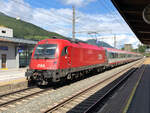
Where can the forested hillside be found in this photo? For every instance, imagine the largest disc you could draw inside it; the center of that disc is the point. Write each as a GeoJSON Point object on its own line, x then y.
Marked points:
{"type": "Point", "coordinates": [24, 29]}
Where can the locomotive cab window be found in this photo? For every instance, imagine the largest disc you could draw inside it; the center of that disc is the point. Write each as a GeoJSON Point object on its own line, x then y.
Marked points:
{"type": "Point", "coordinates": [45, 51]}
{"type": "Point", "coordinates": [64, 51]}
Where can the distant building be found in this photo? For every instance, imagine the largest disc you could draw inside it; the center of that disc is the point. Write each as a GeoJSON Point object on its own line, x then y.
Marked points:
{"type": "Point", "coordinates": [147, 50]}
{"type": "Point", "coordinates": [6, 32]}
{"type": "Point", "coordinates": [128, 47]}
{"type": "Point", "coordinates": [14, 52]}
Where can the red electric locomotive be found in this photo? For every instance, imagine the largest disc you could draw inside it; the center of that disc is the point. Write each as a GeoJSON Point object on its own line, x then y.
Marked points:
{"type": "Point", "coordinates": [57, 59]}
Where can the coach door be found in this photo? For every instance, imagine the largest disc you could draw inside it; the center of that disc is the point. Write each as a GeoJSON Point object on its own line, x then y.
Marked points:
{"type": "Point", "coordinates": [3, 59]}
{"type": "Point", "coordinates": [107, 56]}
{"type": "Point", "coordinates": [69, 56]}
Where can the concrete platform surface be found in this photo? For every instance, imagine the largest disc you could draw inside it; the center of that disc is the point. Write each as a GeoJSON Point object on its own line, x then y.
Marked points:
{"type": "Point", "coordinates": [12, 79]}
{"type": "Point", "coordinates": [147, 61]}
{"type": "Point", "coordinates": [141, 100]}
{"type": "Point", "coordinates": [12, 76]}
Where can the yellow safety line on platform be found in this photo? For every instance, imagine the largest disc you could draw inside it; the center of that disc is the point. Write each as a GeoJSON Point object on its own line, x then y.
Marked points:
{"type": "Point", "coordinates": [132, 94]}
{"type": "Point", "coordinates": [12, 81]}
{"type": "Point", "coordinates": [4, 69]}
{"type": "Point", "coordinates": [147, 61]}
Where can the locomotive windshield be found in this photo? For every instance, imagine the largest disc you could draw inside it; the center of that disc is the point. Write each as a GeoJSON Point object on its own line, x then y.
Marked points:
{"type": "Point", "coordinates": [45, 51]}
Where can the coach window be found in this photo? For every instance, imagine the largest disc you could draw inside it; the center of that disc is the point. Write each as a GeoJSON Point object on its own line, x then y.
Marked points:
{"type": "Point", "coordinates": [130, 55]}
{"type": "Point", "coordinates": [64, 51]}
{"type": "Point", "coordinates": [113, 55]}
{"type": "Point", "coordinates": [122, 56]}
{"type": "Point", "coordinates": [116, 55]}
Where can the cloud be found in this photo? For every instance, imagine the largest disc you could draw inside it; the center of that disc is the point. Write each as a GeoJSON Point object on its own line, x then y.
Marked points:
{"type": "Point", "coordinates": [60, 20]}
{"type": "Point", "coordinates": [55, 20]}
{"type": "Point", "coordinates": [77, 2]}
{"type": "Point", "coordinates": [16, 8]}
{"type": "Point", "coordinates": [121, 40]}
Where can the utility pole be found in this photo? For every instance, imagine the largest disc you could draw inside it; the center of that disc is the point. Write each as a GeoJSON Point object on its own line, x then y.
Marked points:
{"type": "Point", "coordinates": [114, 41]}
{"type": "Point", "coordinates": [73, 23]}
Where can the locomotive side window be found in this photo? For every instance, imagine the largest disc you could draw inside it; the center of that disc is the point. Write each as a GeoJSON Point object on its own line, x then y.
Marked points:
{"type": "Point", "coordinates": [64, 51]}
{"type": "Point", "coordinates": [45, 51]}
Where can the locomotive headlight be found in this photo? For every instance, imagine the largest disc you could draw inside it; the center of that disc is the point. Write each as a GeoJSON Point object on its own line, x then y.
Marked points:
{"type": "Point", "coordinates": [100, 56]}
{"type": "Point", "coordinates": [41, 65]}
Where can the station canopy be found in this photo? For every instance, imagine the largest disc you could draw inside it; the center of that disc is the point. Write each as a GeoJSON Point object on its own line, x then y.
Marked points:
{"type": "Point", "coordinates": [132, 12]}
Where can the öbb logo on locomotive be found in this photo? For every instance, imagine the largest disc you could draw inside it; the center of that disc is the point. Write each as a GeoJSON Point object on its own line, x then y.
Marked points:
{"type": "Point", "coordinates": [41, 65]}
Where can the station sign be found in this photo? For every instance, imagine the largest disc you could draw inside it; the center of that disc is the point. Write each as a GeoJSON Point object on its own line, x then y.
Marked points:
{"type": "Point", "coordinates": [4, 48]}
{"type": "Point", "coordinates": [20, 49]}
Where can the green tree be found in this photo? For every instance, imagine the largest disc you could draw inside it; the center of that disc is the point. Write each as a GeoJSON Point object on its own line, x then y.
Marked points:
{"type": "Point", "coordinates": [142, 48]}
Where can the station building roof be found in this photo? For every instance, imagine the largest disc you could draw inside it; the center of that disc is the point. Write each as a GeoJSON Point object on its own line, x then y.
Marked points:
{"type": "Point", "coordinates": [132, 12]}
{"type": "Point", "coordinates": [17, 40]}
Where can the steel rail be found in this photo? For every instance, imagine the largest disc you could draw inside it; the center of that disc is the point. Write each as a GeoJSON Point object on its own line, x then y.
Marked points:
{"type": "Point", "coordinates": [59, 105]}
{"type": "Point", "coordinates": [18, 91]}
{"type": "Point", "coordinates": [92, 107]}
{"type": "Point", "coordinates": [23, 97]}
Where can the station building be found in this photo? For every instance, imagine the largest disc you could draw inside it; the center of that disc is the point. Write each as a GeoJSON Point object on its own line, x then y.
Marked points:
{"type": "Point", "coordinates": [14, 52]}
{"type": "Point", "coordinates": [6, 32]}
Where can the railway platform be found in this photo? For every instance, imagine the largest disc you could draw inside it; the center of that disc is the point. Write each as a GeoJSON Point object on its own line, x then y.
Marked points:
{"type": "Point", "coordinates": [140, 102]}
{"type": "Point", "coordinates": [133, 96]}
{"type": "Point", "coordinates": [12, 78]}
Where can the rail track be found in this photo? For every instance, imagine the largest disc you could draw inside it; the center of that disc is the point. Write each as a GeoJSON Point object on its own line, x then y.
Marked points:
{"type": "Point", "coordinates": [23, 94]}
{"type": "Point", "coordinates": [11, 98]}
{"type": "Point", "coordinates": [85, 99]}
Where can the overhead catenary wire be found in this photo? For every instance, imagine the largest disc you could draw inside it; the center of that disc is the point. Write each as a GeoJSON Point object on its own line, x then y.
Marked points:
{"type": "Point", "coordinates": [45, 12]}
{"type": "Point", "coordinates": [113, 15]}
{"type": "Point", "coordinates": [28, 6]}
{"type": "Point", "coordinates": [53, 15]}
{"type": "Point", "coordinates": [77, 17]}
{"type": "Point", "coordinates": [45, 23]}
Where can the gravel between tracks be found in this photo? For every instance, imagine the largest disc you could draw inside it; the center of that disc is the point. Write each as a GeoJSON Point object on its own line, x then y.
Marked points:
{"type": "Point", "coordinates": [37, 104]}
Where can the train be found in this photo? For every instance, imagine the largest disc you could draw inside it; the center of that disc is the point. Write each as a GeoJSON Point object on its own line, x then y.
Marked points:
{"type": "Point", "coordinates": [55, 60]}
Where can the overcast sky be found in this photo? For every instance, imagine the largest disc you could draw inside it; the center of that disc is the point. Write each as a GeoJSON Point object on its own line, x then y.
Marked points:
{"type": "Point", "coordinates": [56, 16]}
